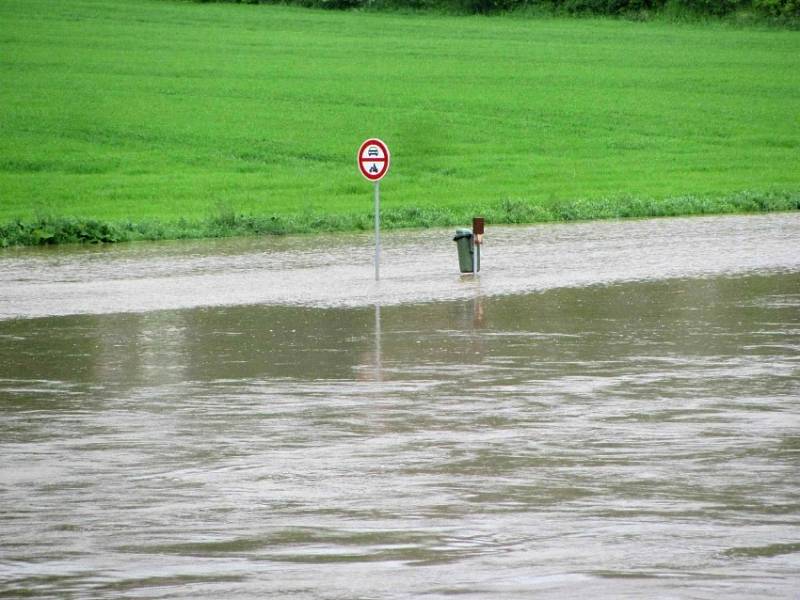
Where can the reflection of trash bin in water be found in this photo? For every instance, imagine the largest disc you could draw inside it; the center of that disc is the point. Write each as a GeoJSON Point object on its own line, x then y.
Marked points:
{"type": "Point", "coordinates": [466, 248]}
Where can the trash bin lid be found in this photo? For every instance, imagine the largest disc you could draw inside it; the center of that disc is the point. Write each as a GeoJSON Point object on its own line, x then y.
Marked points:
{"type": "Point", "coordinates": [462, 233]}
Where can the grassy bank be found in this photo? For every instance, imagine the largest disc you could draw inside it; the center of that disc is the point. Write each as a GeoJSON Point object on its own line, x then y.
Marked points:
{"type": "Point", "coordinates": [43, 229]}
{"type": "Point", "coordinates": [152, 119]}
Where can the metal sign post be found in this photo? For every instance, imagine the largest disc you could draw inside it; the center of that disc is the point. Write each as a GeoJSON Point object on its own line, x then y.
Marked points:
{"type": "Point", "coordinates": [377, 230]}
{"type": "Point", "coordinates": [373, 162]}
{"type": "Point", "coordinates": [478, 224]}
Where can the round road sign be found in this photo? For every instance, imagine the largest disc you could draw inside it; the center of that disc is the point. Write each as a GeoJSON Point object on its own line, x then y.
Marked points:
{"type": "Point", "coordinates": [373, 159]}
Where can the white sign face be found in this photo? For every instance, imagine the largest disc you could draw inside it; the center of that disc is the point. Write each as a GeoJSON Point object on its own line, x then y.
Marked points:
{"type": "Point", "coordinates": [373, 159]}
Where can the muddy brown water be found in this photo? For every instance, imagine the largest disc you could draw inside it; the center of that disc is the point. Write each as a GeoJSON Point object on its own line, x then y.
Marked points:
{"type": "Point", "coordinates": [611, 409]}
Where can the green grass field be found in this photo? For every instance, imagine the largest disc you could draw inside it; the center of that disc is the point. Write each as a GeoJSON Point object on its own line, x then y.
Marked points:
{"type": "Point", "coordinates": [152, 111]}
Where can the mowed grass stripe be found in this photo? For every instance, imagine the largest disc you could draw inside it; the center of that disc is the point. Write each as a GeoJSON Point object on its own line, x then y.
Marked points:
{"type": "Point", "coordinates": [137, 110]}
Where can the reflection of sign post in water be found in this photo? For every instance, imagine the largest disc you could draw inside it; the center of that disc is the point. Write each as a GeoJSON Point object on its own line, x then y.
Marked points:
{"type": "Point", "coordinates": [378, 358]}
{"type": "Point", "coordinates": [373, 162]}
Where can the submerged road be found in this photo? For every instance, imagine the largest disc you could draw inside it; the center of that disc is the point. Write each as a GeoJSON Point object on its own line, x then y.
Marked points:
{"type": "Point", "coordinates": [417, 266]}
{"type": "Point", "coordinates": [609, 411]}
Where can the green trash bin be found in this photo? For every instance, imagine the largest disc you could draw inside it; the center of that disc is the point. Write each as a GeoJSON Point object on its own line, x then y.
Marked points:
{"type": "Point", "coordinates": [463, 242]}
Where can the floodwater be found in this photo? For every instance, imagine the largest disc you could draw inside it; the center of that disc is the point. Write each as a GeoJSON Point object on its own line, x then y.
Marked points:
{"type": "Point", "coordinates": [610, 409]}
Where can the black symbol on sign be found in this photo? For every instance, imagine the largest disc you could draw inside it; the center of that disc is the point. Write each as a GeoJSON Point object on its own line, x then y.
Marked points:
{"type": "Point", "coordinates": [373, 168]}
{"type": "Point", "coordinates": [373, 151]}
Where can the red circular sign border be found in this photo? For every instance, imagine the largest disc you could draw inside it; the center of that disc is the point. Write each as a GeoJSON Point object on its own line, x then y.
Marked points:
{"type": "Point", "coordinates": [382, 145]}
